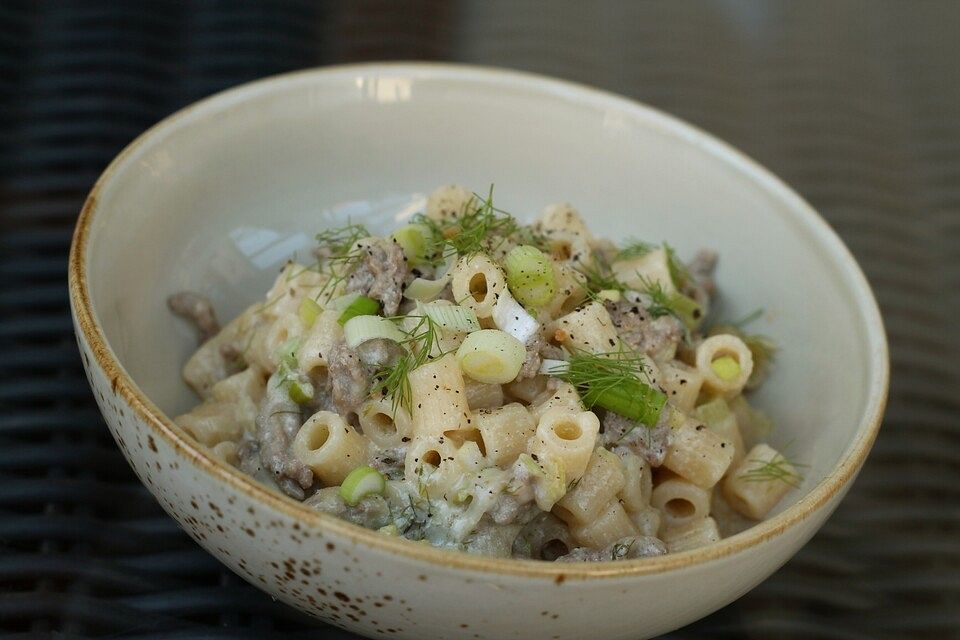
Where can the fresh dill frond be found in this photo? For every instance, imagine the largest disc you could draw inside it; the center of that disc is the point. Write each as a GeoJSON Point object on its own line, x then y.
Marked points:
{"type": "Point", "coordinates": [612, 380]}
{"type": "Point", "coordinates": [621, 549]}
{"type": "Point", "coordinates": [634, 248]}
{"type": "Point", "coordinates": [393, 380]}
{"type": "Point", "coordinates": [779, 468]}
{"type": "Point", "coordinates": [597, 276]}
{"type": "Point", "coordinates": [338, 255]}
{"type": "Point", "coordinates": [338, 242]}
{"type": "Point", "coordinates": [482, 227]}
{"type": "Point", "coordinates": [661, 303]}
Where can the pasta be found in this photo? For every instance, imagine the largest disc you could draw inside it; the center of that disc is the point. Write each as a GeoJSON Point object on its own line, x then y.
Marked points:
{"type": "Point", "coordinates": [492, 387]}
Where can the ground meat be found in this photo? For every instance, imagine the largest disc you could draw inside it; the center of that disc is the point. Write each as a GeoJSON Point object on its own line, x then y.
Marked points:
{"type": "Point", "coordinates": [651, 444]}
{"type": "Point", "coordinates": [372, 511]}
{"type": "Point", "coordinates": [623, 549]}
{"type": "Point", "coordinates": [390, 462]}
{"type": "Point", "coordinates": [248, 454]}
{"type": "Point", "coordinates": [349, 381]}
{"type": "Point", "coordinates": [198, 309]}
{"type": "Point", "coordinates": [641, 331]}
{"type": "Point", "coordinates": [381, 274]}
{"type": "Point", "coordinates": [277, 425]}
{"type": "Point", "coordinates": [531, 363]}
{"type": "Point", "coordinates": [545, 537]}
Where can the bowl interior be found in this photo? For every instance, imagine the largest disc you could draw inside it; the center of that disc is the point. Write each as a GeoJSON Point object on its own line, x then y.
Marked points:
{"type": "Point", "coordinates": [216, 199]}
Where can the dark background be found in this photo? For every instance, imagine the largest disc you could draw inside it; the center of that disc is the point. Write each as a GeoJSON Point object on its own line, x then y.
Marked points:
{"type": "Point", "coordinates": [855, 104]}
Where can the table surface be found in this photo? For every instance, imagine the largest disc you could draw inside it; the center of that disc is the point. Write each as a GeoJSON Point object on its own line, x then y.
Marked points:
{"type": "Point", "coordinates": [855, 104]}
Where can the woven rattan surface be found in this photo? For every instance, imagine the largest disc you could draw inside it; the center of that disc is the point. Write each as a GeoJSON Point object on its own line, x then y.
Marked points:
{"type": "Point", "coordinates": [855, 104]}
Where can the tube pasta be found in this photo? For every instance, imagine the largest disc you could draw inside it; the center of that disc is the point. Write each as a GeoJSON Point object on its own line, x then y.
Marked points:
{"type": "Point", "coordinates": [716, 347]}
{"type": "Point", "coordinates": [691, 536]}
{"type": "Point", "coordinates": [698, 454]}
{"type": "Point", "coordinates": [481, 395]}
{"type": "Point", "coordinates": [600, 483]}
{"type": "Point", "coordinates": [438, 398]}
{"type": "Point", "coordinates": [611, 525]}
{"type": "Point", "coordinates": [586, 329]}
{"type": "Point", "coordinates": [329, 446]}
{"type": "Point", "coordinates": [638, 483]}
{"type": "Point", "coordinates": [647, 521]}
{"type": "Point", "coordinates": [505, 432]}
{"type": "Point", "coordinates": [759, 482]}
{"type": "Point", "coordinates": [640, 272]}
{"type": "Point", "coordinates": [680, 502]}
{"type": "Point", "coordinates": [557, 395]}
{"type": "Point", "coordinates": [384, 423]}
{"type": "Point", "coordinates": [319, 341]}
{"type": "Point", "coordinates": [682, 383]}
{"type": "Point", "coordinates": [477, 282]}
{"type": "Point", "coordinates": [568, 437]}
{"type": "Point", "coordinates": [450, 202]}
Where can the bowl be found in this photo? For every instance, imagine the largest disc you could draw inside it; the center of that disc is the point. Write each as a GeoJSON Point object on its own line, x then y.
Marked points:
{"type": "Point", "coordinates": [217, 196]}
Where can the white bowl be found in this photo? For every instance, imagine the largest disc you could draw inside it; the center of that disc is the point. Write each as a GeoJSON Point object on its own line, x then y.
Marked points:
{"type": "Point", "coordinates": [217, 196]}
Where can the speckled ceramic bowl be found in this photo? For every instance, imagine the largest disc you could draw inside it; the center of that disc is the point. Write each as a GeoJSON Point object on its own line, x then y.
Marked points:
{"type": "Point", "coordinates": [217, 196]}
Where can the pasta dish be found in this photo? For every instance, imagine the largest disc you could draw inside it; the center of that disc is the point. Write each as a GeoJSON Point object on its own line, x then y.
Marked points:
{"type": "Point", "coordinates": [527, 391]}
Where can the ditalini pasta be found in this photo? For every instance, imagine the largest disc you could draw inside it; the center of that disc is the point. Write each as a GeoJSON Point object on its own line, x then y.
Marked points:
{"type": "Point", "coordinates": [482, 385]}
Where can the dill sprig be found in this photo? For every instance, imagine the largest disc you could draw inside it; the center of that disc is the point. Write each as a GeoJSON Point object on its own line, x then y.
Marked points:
{"type": "Point", "coordinates": [597, 276]}
{"type": "Point", "coordinates": [338, 254]}
{"type": "Point", "coordinates": [634, 248]}
{"type": "Point", "coordinates": [778, 468]}
{"type": "Point", "coordinates": [392, 380]}
{"type": "Point", "coordinates": [621, 549]}
{"type": "Point", "coordinates": [480, 227]}
{"type": "Point", "coordinates": [612, 381]}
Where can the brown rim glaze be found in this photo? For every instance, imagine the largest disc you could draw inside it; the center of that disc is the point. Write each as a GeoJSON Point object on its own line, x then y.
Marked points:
{"type": "Point", "coordinates": [90, 331]}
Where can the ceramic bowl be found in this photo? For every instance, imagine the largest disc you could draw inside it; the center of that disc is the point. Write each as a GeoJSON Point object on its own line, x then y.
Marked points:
{"type": "Point", "coordinates": [218, 195]}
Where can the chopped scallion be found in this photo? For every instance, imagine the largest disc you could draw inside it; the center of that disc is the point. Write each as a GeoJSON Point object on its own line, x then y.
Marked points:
{"type": "Point", "coordinates": [361, 482]}
{"type": "Point", "coordinates": [309, 312]}
{"type": "Point", "coordinates": [726, 367]}
{"type": "Point", "coordinates": [362, 306]}
{"type": "Point", "coordinates": [530, 276]}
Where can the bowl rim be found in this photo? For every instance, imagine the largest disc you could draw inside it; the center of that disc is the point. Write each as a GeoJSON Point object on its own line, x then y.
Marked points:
{"type": "Point", "coordinates": [89, 330]}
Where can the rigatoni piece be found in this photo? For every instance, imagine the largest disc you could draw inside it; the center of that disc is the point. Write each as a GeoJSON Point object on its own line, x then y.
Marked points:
{"type": "Point", "coordinates": [329, 446]}
{"type": "Point", "coordinates": [505, 432]}
{"type": "Point", "coordinates": [647, 521]}
{"type": "Point", "coordinates": [450, 202]}
{"type": "Point", "coordinates": [589, 328]}
{"type": "Point", "coordinates": [680, 502]}
{"type": "Point", "coordinates": [557, 395]}
{"type": "Point", "coordinates": [567, 437]}
{"type": "Point", "coordinates": [318, 341]}
{"type": "Point", "coordinates": [477, 282]}
{"type": "Point", "coordinates": [756, 486]}
{"type": "Point", "coordinates": [698, 454]}
{"type": "Point", "coordinates": [600, 483]}
{"type": "Point", "coordinates": [691, 536]}
{"type": "Point", "coordinates": [612, 524]}
{"type": "Point", "coordinates": [427, 452]}
{"type": "Point", "coordinates": [481, 395]}
{"type": "Point", "coordinates": [682, 384]}
{"type": "Point", "coordinates": [718, 417]}
{"type": "Point", "coordinates": [651, 268]}
{"type": "Point", "coordinates": [438, 398]}
{"type": "Point", "coordinates": [725, 362]}
{"type": "Point", "coordinates": [385, 422]}
{"type": "Point", "coordinates": [214, 422]}
{"type": "Point", "coordinates": [638, 482]}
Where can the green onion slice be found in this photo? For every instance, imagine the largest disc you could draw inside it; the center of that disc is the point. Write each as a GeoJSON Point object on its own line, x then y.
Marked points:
{"type": "Point", "coordinates": [359, 329]}
{"type": "Point", "coordinates": [361, 306]}
{"type": "Point", "coordinates": [530, 276]}
{"type": "Point", "coordinates": [361, 482]}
